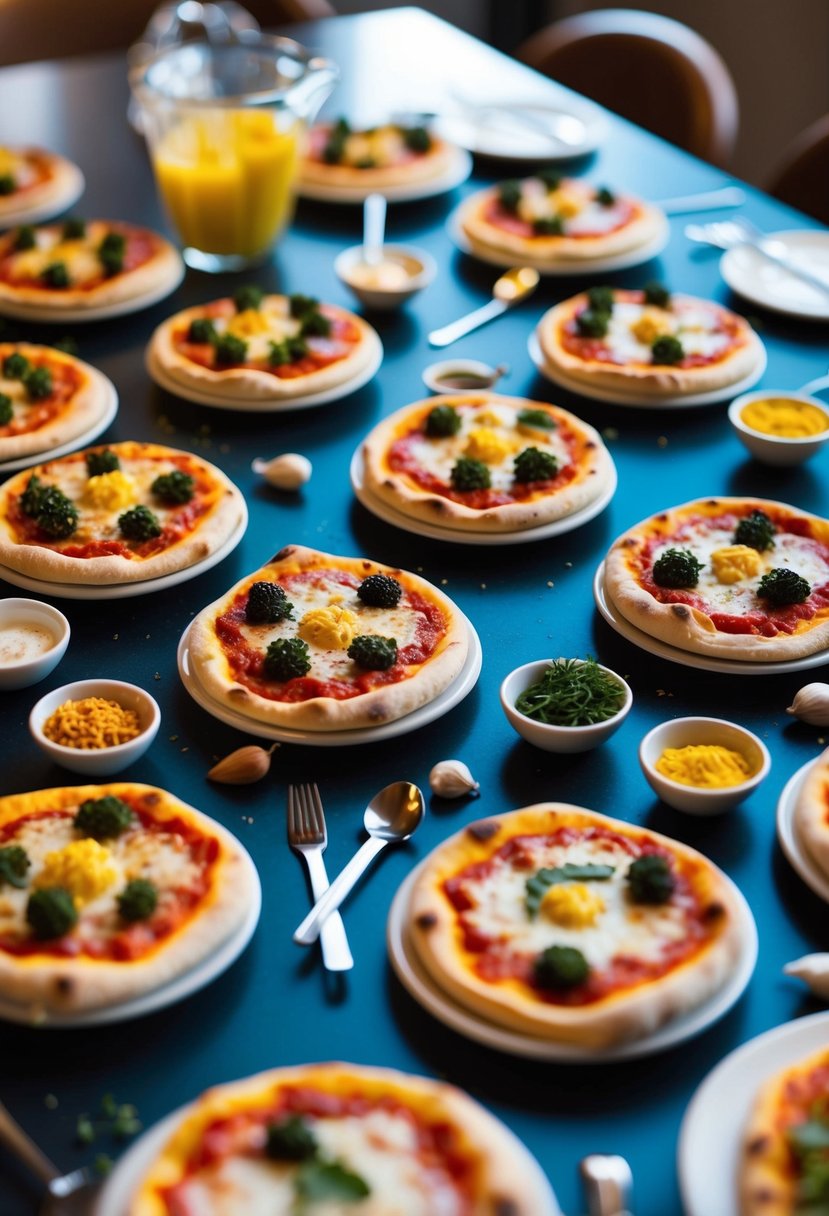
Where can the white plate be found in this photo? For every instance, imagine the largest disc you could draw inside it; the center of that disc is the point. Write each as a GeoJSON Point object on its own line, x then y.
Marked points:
{"type": "Point", "coordinates": [455, 173]}
{"type": "Point", "coordinates": [32, 215]}
{"type": "Point", "coordinates": [631, 400]}
{"type": "Point", "coordinates": [276, 404]}
{"type": "Point", "coordinates": [747, 272]}
{"type": "Point", "coordinates": [80, 441]}
{"type": "Point", "coordinates": [663, 650]}
{"type": "Point", "coordinates": [120, 591]}
{"type": "Point", "coordinates": [572, 269]}
{"type": "Point", "coordinates": [710, 1139]}
{"type": "Point", "coordinates": [455, 536]}
{"type": "Point", "coordinates": [797, 853]}
{"type": "Point", "coordinates": [518, 130]}
{"type": "Point", "coordinates": [419, 984]}
{"type": "Point", "coordinates": [168, 994]}
{"type": "Point", "coordinates": [460, 687]}
{"type": "Point", "coordinates": [57, 316]}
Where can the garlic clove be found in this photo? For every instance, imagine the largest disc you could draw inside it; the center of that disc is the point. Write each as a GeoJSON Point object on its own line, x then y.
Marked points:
{"type": "Point", "coordinates": [244, 766]}
{"type": "Point", "coordinates": [452, 779]}
{"type": "Point", "coordinates": [811, 704]}
{"type": "Point", "coordinates": [813, 969]}
{"type": "Point", "coordinates": [286, 472]}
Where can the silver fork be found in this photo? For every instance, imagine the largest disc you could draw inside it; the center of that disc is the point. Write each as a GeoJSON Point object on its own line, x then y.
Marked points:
{"type": "Point", "coordinates": [726, 233]}
{"type": "Point", "coordinates": [307, 836]}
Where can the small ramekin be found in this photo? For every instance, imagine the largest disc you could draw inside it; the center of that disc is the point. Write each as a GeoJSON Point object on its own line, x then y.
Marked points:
{"type": "Point", "coordinates": [773, 449]}
{"type": "Point", "coordinates": [20, 673]}
{"type": "Point", "coordinates": [558, 738]}
{"type": "Point", "coordinates": [97, 762]}
{"type": "Point", "coordinates": [684, 732]}
{"type": "Point", "coordinates": [419, 265]}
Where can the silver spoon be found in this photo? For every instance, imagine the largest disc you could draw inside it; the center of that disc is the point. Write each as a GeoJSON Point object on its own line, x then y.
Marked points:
{"type": "Point", "coordinates": [607, 1181]}
{"type": "Point", "coordinates": [66, 1194]}
{"type": "Point", "coordinates": [391, 817]}
{"type": "Point", "coordinates": [374, 229]}
{"type": "Point", "coordinates": [512, 287]}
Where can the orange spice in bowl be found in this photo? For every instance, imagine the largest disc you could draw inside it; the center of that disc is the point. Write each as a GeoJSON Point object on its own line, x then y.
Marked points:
{"type": "Point", "coordinates": [92, 722]}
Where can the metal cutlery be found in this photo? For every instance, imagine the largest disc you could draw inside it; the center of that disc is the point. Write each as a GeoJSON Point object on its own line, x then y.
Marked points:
{"type": "Point", "coordinates": [607, 1181]}
{"type": "Point", "coordinates": [725, 234]}
{"type": "Point", "coordinates": [70, 1194]}
{"type": "Point", "coordinates": [307, 836]}
{"type": "Point", "coordinates": [512, 287]}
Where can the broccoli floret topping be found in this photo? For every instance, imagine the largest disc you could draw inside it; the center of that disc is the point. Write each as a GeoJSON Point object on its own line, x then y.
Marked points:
{"type": "Point", "coordinates": [373, 652]}
{"type": "Point", "coordinates": [55, 274]}
{"type": "Point", "coordinates": [756, 530]}
{"type": "Point", "coordinates": [56, 515]}
{"type": "Point", "coordinates": [380, 591]}
{"type": "Point", "coordinates": [667, 349]}
{"type": "Point", "coordinates": [534, 465]}
{"type": "Point", "coordinates": [470, 474]}
{"type": "Point", "coordinates": [605, 197]}
{"type": "Point", "coordinates": [551, 226]}
{"type": "Point", "coordinates": [103, 818]}
{"type": "Point", "coordinates": [174, 488]}
{"type": "Point", "coordinates": [15, 366]}
{"type": "Point", "coordinates": [290, 1140]}
{"type": "Point", "coordinates": [248, 296]}
{"type": "Point", "coordinates": [7, 183]}
{"type": "Point", "coordinates": [657, 294]}
{"type": "Point", "coordinates": [333, 151]}
{"type": "Point", "coordinates": [202, 329]}
{"type": "Point", "coordinates": [560, 967]}
{"type": "Point", "coordinates": [230, 349]}
{"type": "Point", "coordinates": [111, 252]}
{"type": "Point", "coordinates": [651, 880]}
{"type": "Point", "coordinates": [781, 586]}
{"type": "Point", "coordinates": [102, 461]}
{"type": "Point", "coordinates": [38, 383]}
{"type": "Point", "coordinates": [139, 523]}
{"type": "Point", "coordinates": [267, 604]}
{"type": "Point", "coordinates": [417, 139]}
{"type": "Point", "coordinates": [138, 900]}
{"type": "Point", "coordinates": [51, 912]}
{"type": "Point", "coordinates": [365, 162]}
{"type": "Point", "coordinates": [539, 419]}
{"type": "Point", "coordinates": [302, 306]}
{"type": "Point", "coordinates": [592, 324]}
{"type": "Point", "coordinates": [31, 497]}
{"type": "Point", "coordinates": [601, 298]}
{"type": "Point", "coordinates": [74, 228]}
{"type": "Point", "coordinates": [288, 351]}
{"type": "Point", "coordinates": [550, 178]}
{"type": "Point", "coordinates": [286, 658]}
{"type": "Point", "coordinates": [442, 421]}
{"type": "Point", "coordinates": [25, 238]}
{"type": "Point", "coordinates": [314, 324]}
{"type": "Point", "coordinates": [509, 195]}
{"type": "Point", "coordinates": [14, 863]}
{"type": "Point", "coordinates": [6, 411]}
{"type": "Point", "coordinates": [676, 568]}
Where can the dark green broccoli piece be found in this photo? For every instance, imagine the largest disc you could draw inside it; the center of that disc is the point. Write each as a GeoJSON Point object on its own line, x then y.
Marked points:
{"type": "Point", "coordinates": [51, 912]}
{"type": "Point", "coordinates": [249, 296]}
{"type": "Point", "coordinates": [676, 568]}
{"type": "Point", "coordinates": [230, 349]}
{"type": "Point", "coordinates": [7, 183]}
{"type": "Point", "coordinates": [174, 488]}
{"type": "Point", "coordinates": [38, 383]}
{"type": "Point", "coordinates": [290, 1140]}
{"type": "Point", "coordinates": [560, 968]}
{"type": "Point", "coordinates": [601, 298]}
{"type": "Point", "coordinates": [74, 228]}
{"type": "Point", "coordinates": [14, 863]}
{"type": "Point", "coordinates": [592, 324]}
{"type": "Point", "coordinates": [302, 306]}
{"type": "Point", "coordinates": [102, 461]}
{"type": "Point", "coordinates": [286, 658]}
{"type": "Point", "coordinates": [470, 474]}
{"type": "Point", "coordinates": [380, 591]}
{"type": "Point", "coordinates": [314, 324]}
{"type": "Point", "coordinates": [55, 274]}
{"type": "Point", "coordinates": [56, 515]}
{"type": "Point", "coordinates": [111, 252]}
{"type": "Point", "coordinates": [373, 652]}
{"type": "Point", "coordinates": [288, 351]}
{"type": "Point", "coordinates": [534, 465]}
{"type": "Point", "coordinates": [417, 139]}
{"type": "Point", "coordinates": [442, 421]}
{"type": "Point", "coordinates": [539, 419]}
{"type": "Point", "coordinates": [201, 330]}
{"type": "Point", "coordinates": [334, 148]}
{"type": "Point", "coordinates": [138, 900]}
{"type": "Point", "coordinates": [26, 238]}
{"type": "Point", "coordinates": [666, 349]}
{"type": "Point", "coordinates": [139, 523]}
{"type": "Point", "coordinates": [781, 586]}
{"type": "Point", "coordinates": [321, 1180]}
{"type": "Point", "coordinates": [15, 366]}
{"type": "Point", "coordinates": [651, 880]}
{"type": "Point", "coordinates": [755, 530]}
{"type": "Point", "coordinates": [551, 226]}
{"type": "Point", "coordinates": [365, 162]}
{"type": "Point", "coordinates": [509, 195]}
{"type": "Point", "coordinates": [6, 411]}
{"type": "Point", "coordinates": [103, 818]}
{"type": "Point", "coordinates": [656, 294]}
{"type": "Point", "coordinates": [267, 604]}
{"type": "Point", "coordinates": [31, 497]}
{"type": "Point", "coordinates": [550, 178]}
{"type": "Point", "coordinates": [605, 197]}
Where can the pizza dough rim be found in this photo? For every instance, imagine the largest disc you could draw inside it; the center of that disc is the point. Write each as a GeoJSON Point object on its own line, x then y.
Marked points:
{"type": "Point", "coordinates": [60, 184]}
{"type": "Point", "coordinates": [811, 813]}
{"type": "Point", "coordinates": [619, 1018]}
{"type": "Point", "coordinates": [685, 627]}
{"type": "Point", "coordinates": [396, 489]}
{"type": "Point", "coordinates": [374, 708]}
{"type": "Point", "coordinates": [428, 166]}
{"type": "Point", "coordinates": [86, 407]}
{"type": "Point", "coordinates": [214, 529]}
{"type": "Point", "coordinates": [249, 383]}
{"type": "Point", "coordinates": [502, 1186]}
{"type": "Point", "coordinates": [57, 986]}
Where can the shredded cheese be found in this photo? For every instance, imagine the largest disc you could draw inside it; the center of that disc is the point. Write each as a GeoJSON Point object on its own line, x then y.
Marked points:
{"type": "Point", "coordinates": [91, 723]}
{"type": "Point", "coordinates": [707, 765]}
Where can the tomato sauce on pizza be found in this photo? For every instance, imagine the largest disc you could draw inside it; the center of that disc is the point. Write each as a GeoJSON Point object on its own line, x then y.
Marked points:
{"type": "Point", "coordinates": [85, 270]}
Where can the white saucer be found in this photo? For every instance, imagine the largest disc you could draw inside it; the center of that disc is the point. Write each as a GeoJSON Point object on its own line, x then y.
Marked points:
{"type": "Point", "coordinates": [419, 984]}
{"type": "Point", "coordinates": [515, 130]}
{"type": "Point", "coordinates": [57, 316]}
{"type": "Point", "coordinates": [80, 441]}
{"type": "Point", "coordinates": [710, 1139]}
{"type": "Point", "coordinates": [455, 173]}
{"type": "Point", "coordinates": [796, 852]}
{"type": "Point", "coordinates": [747, 272]}
{"type": "Point", "coordinates": [74, 188]}
{"type": "Point", "coordinates": [631, 400]}
{"type": "Point", "coordinates": [276, 404]}
{"type": "Point", "coordinates": [455, 536]}
{"type": "Point", "coordinates": [460, 687]}
{"type": "Point", "coordinates": [120, 591]}
{"type": "Point", "coordinates": [168, 994]}
{"type": "Point", "coordinates": [663, 650]}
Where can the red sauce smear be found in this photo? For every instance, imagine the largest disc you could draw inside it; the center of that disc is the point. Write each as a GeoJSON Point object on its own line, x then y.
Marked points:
{"type": "Point", "coordinates": [140, 246]}
{"type": "Point", "coordinates": [499, 217]}
{"type": "Point", "coordinates": [66, 380]}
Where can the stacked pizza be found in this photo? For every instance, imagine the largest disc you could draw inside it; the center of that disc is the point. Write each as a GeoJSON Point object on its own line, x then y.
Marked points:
{"type": "Point", "coordinates": [35, 183]}
{"type": "Point", "coordinates": [810, 822]}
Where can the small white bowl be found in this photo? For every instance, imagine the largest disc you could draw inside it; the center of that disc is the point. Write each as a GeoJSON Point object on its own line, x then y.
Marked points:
{"type": "Point", "coordinates": [773, 449]}
{"type": "Point", "coordinates": [25, 615]}
{"type": "Point", "coordinates": [97, 762]}
{"type": "Point", "coordinates": [683, 732]}
{"type": "Point", "coordinates": [558, 738]}
{"type": "Point", "coordinates": [433, 375]}
{"type": "Point", "coordinates": [420, 268]}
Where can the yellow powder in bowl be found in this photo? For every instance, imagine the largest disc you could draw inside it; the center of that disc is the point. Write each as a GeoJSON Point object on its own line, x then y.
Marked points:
{"type": "Point", "coordinates": [91, 723]}
{"type": "Point", "coordinates": [785, 417]}
{"type": "Point", "coordinates": [707, 765]}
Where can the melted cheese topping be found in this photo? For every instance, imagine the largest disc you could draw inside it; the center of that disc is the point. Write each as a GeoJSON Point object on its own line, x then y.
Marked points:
{"type": "Point", "coordinates": [734, 563]}
{"type": "Point", "coordinates": [79, 255]}
{"type": "Point", "coordinates": [695, 327]}
{"type": "Point", "coordinates": [83, 867]}
{"type": "Point", "coordinates": [383, 145]}
{"type": "Point", "coordinates": [271, 322]}
{"type": "Point", "coordinates": [110, 490]}
{"type": "Point", "coordinates": [573, 202]}
{"type": "Point", "coordinates": [573, 904]}
{"type": "Point", "coordinates": [331, 628]}
{"type": "Point", "coordinates": [486, 444]}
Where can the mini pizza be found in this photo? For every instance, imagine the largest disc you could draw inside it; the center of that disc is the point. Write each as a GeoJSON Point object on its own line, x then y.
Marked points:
{"type": "Point", "coordinates": [389, 155]}
{"type": "Point", "coordinates": [648, 342]}
{"type": "Point", "coordinates": [785, 1160]}
{"type": "Point", "coordinates": [81, 265]}
{"type": "Point", "coordinates": [261, 347]}
{"type": "Point", "coordinates": [36, 183]}
{"type": "Point", "coordinates": [351, 1137]}
{"type": "Point", "coordinates": [486, 463]}
{"type": "Point", "coordinates": [740, 578]}
{"type": "Point", "coordinates": [47, 398]}
{"type": "Point", "coordinates": [558, 922]}
{"type": "Point", "coordinates": [119, 514]}
{"type": "Point", "coordinates": [557, 220]}
{"type": "Point", "coordinates": [317, 642]}
{"type": "Point", "coordinates": [811, 813]}
{"type": "Point", "coordinates": [110, 891]}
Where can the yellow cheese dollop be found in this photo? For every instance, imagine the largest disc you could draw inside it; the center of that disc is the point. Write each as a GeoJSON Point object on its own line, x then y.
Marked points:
{"type": "Point", "coordinates": [735, 562]}
{"type": "Point", "coordinates": [83, 867]}
{"type": "Point", "coordinates": [785, 417]}
{"type": "Point", "coordinates": [332, 628]}
{"type": "Point", "coordinates": [487, 418]}
{"type": "Point", "coordinates": [248, 322]}
{"type": "Point", "coordinates": [652, 324]}
{"type": "Point", "coordinates": [110, 490]}
{"type": "Point", "coordinates": [572, 905]}
{"type": "Point", "coordinates": [566, 203]}
{"type": "Point", "coordinates": [707, 765]}
{"type": "Point", "coordinates": [487, 445]}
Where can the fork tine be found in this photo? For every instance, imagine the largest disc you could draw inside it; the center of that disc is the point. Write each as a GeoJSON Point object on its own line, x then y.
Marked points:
{"type": "Point", "coordinates": [292, 824]}
{"type": "Point", "coordinates": [316, 816]}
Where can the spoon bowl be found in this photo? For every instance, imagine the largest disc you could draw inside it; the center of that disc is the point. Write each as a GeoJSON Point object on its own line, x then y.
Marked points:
{"type": "Point", "coordinates": [516, 284]}
{"type": "Point", "coordinates": [510, 289]}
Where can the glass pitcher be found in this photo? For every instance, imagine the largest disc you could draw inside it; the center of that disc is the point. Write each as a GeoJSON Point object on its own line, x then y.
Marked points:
{"type": "Point", "coordinates": [225, 126]}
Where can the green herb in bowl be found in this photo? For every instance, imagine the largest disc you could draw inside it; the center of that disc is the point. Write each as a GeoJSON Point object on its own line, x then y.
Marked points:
{"type": "Point", "coordinates": [572, 693]}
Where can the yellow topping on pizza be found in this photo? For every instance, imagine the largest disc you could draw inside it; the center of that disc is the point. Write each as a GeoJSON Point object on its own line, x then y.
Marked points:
{"type": "Point", "coordinates": [8, 161]}
{"type": "Point", "coordinates": [572, 905]}
{"type": "Point", "coordinates": [566, 203]}
{"type": "Point", "coordinates": [488, 418]}
{"type": "Point", "coordinates": [248, 322]}
{"type": "Point", "coordinates": [487, 445]}
{"type": "Point", "coordinates": [83, 867]}
{"type": "Point", "coordinates": [110, 490]}
{"type": "Point", "coordinates": [332, 628]}
{"type": "Point", "coordinates": [735, 562]}
{"type": "Point", "coordinates": [651, 325]}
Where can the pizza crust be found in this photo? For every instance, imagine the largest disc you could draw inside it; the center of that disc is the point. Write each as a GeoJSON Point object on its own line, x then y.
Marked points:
{"type": "Point", "coordinates": [87, 405]}
{"type": "Point", "coordinates": [424, 167]}
{"type": "Point", "coordinates": [62, 184]}
{"type": "Point", "coordinates": [811, 813]}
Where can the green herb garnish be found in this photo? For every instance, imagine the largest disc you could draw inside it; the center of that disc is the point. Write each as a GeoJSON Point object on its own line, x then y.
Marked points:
{"type": "Point", "coordinates": [781, 586]}
{"type": "Point", "coordinates": [605, 197]}
{"type": "Point", "coordinates": [540, 883]}
{"type": "Point", "coordinates": [551, 225]}
{"type": "Point", "coordinates": [286, 659]}
{"type": "Point", "coordinates": [302, 306]}
{"type": "Point", "coordinates": [202, 329]}
{"type": "Point", "coordinates": [509, 195]}
{"type": "Point", "coordinates": [249, 296]}
{"type": "Point", "coordinates": [286, 352]}
{"type": "Point", "coordinates": [102, 461]}
{"type": "Point", "coordinates": [469, 474]}
{"type": "Point", "coordinates": [174, 488]}
{"type": "Point", "coordinates": [809, 1142]}
{"type": "Point", "coordinates": [56, 515]}
{"type": "Point", "coordinates": [138, 900]}
{"type": "Point", "coordinates": [55, 274]}
{"type": "Point", "coordinates": [601, 298]}
{"type": "Point", "coordinates": [38, 383]}
{"type": "Point", "coordinates": [667, 350]}
{"type": "Point", "coordinates": [416, 139]}
{"type": "Point", "coordinates": [534, 465]}
{"type": "Point", "coordinates": [290, 1140]}
{"type": "Point", "coordinates": [656, 294]}
{"type": "Point", "coordinates": [15, 366]}
{"type": "Point", "coordinates": [230, 349]}
{"type": "Point", "coordinates": [755, 530]}
{"type": "Point", "coordinates": [550, 178]}
{"type": "Point", "coordinates": [572, 693]}
{"type": "Point", "coordinates": [103, 818]}
{"type": "Point", "coordinates": [592, 324]}
{"type": "Point", "coordinates": [6, 409]}
{"type": "Point", "coordinates": [74, 228]}
{"type": "Point", "coordinates": [676, 568]}
{"type": "Point", "coordinates": [51, 912]}
{"type": "Point", "coordinates": [372, 652]}
{"type": "Point", "coordinates": [315, 325]}
{"type": "Point", "coordinates": [139, 523]}
{"type": "Point", "coordinates": [442, 421]}
{"type": "Point", "coordinates": [539, 419]}
{"type": "Point", "coordinates": [26, 238]}
{"type": "Point", "coordinates": [14, 863]}
{"type": "Point", "coordinates": [31, 497]}
{"type": "Point", "coordinates": [318, 1180]}
{"type": "Point", "coordinates": [560, 968]}
{"type": "Point", "coordinates": [651, 880]}
{"type": "Point", "coordinates": [111, 253]}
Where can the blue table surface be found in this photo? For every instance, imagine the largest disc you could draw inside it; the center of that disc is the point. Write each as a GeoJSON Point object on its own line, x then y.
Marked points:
{"type": "Point", "coordinates": [275, 1005]}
